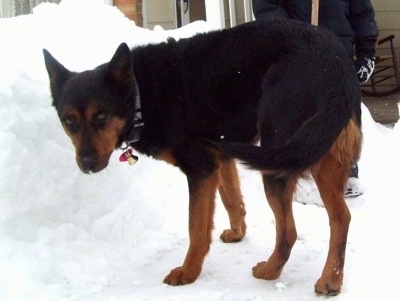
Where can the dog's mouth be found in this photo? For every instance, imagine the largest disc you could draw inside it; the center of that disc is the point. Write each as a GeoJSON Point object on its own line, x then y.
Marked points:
{"type": "Point", "coordinates": [92, 164]}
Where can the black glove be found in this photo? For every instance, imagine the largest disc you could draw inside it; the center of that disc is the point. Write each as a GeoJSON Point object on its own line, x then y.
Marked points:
{"type": "Point", "coordinates": [364, 68]}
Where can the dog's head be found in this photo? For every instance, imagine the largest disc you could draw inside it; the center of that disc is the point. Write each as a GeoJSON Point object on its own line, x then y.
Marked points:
{"type": "Point", "coordinates": [95, 107]}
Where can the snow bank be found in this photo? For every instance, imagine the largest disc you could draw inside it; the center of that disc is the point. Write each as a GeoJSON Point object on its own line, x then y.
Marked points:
{"type": "Point", "coordinates": [115, 235]}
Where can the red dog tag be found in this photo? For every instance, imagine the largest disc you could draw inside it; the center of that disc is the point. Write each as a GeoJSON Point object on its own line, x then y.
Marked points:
{"type": "Point", "coordinates": [128, 156]}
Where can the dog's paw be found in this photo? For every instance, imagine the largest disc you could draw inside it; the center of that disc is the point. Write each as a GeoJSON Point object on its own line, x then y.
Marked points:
{"type": "Point", "coordinates": [181, 276]}
{"type": "Point", "coordinates": [328, 287]}
{"type": "Point", "coordinates": [232, 235]}
{"type": "Point", "coordinates": [266, 270]}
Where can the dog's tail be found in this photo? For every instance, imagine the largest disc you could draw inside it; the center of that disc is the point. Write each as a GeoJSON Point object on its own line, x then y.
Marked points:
{"type": "Point", "coordinates": [305, 148]}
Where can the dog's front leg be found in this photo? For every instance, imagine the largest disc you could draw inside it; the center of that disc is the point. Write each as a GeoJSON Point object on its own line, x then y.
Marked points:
{"type": "Point", "coordinates": [231, 196]}
{"type": "Point", "coordinates": [201, 212]}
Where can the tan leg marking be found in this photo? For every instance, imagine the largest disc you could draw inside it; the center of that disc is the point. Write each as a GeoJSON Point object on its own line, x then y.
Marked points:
{"type": "Point", "coordinates": [201, 213]}
{"type": "Point", "coordinates": [231, 196]}
{"type": "Point", "coordinates": [279, 193]}
{"type": "Point", "coordinates": [330, 176]}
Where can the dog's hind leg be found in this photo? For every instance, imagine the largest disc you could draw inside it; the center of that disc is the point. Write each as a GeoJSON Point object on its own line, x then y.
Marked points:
{"type": "Point", "coordinates": [330, 179]}
{"type": "Point", "coordinates": [330, 175]}
{"type": "Point", "coordinates": [231, 196]}
{"type": "Point", "coordinates": [202, 193]}
{"type": "Point", "coordinates": [279, 192]}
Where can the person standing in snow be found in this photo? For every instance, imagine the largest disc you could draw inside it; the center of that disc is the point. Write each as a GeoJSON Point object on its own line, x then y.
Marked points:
{"type": "Point", "coordinates": [353, 22]}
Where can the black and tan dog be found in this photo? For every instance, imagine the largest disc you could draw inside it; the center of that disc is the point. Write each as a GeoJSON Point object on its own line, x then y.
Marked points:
{"type": "Point", "coordinates": [198, 103]}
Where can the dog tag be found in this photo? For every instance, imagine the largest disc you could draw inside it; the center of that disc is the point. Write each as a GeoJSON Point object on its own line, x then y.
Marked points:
{"type": "Point", "coordinates": [132, 159]}
{"type": "Point", "coordinates": [128, 156]}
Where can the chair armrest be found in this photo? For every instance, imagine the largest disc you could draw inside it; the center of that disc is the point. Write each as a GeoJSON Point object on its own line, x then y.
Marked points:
{"type": "Point", "coordinates": [386, 39]}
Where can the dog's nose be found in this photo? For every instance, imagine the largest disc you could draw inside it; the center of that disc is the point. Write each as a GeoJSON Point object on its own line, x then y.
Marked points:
{"type": "Point", "coordinates": [89, 164]}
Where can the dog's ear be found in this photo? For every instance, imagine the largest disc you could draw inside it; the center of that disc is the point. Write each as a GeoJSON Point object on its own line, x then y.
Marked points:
{"type": "Point", "coordinates": [58, 74]}
{"type": "Point", "coordinates": [120, 70]}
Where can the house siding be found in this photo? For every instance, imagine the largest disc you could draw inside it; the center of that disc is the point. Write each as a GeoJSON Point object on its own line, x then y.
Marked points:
{"type": "Point", "coordinates": [387, 15]}
{"type": "Point", "coordinates": [132, 9]}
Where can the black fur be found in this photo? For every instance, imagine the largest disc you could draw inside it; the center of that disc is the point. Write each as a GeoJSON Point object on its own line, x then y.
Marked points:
{"type": "Point", "coordinates": [279, 76]}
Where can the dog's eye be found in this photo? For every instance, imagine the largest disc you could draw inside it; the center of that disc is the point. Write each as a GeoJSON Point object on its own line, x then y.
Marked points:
{"type": "Point", "coordinates": [100, 119]}
{"type": "Point", "coordinates": [70, 123]}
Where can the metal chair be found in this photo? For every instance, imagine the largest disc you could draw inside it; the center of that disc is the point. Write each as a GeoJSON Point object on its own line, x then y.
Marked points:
{"type": "Point", "coordinates": [386, 68]}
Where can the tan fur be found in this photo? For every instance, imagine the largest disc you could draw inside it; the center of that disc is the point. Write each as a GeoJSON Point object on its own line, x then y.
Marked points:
{"type": "Point", "coordinates": [167, 157]}
{"type": "Point", "coordinates": [279, 193]}
{"type": "Point", "coordinates": [330, 174]}
{"type": "Point", "coordinates": [75, 137]}
{"type": "Point", "coordinates": [201, 213]}
{"type": "Point", "coordinates": [232, 199]}
{"type": "Point", "coordinates": [347, 147]}
{"type": "Point", "coordinates": [104, 140]}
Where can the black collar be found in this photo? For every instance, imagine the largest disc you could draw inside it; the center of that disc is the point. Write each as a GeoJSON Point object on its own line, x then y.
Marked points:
{"type": "Point", "coordinates": [138, 123]}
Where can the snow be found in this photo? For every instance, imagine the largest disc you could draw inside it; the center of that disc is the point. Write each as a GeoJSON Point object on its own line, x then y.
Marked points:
{"type": "Point", "coordinates": [115, 235]}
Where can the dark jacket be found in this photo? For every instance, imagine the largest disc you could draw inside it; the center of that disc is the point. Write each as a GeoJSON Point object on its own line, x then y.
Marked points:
{"type": "Point", "coordinates": [351, 20]}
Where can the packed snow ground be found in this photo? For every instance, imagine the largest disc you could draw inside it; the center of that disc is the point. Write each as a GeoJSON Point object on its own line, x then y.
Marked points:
{"type": "Point", "coordinates": [115, 235]}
